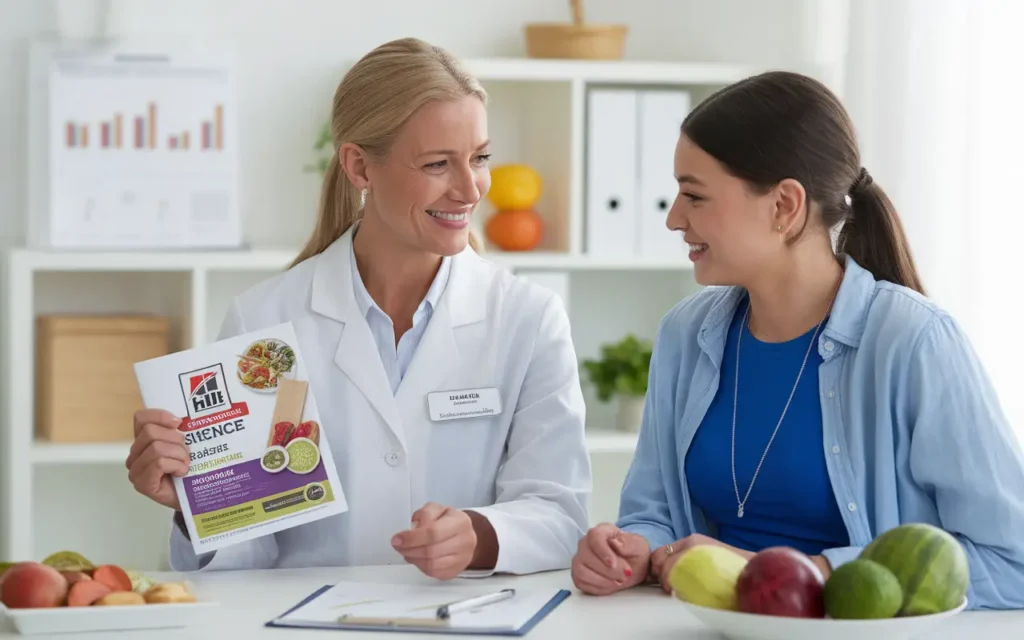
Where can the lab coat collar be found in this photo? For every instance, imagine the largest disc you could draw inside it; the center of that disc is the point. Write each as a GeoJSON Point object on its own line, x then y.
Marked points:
{"type": "Point", "coordinates": [462, 302]}
{"type": "Point", "coordinates": [427, 305]}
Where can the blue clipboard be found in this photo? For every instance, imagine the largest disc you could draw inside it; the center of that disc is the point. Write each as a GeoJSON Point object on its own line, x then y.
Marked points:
{"type": "Point", "coordinates": [416, 628]}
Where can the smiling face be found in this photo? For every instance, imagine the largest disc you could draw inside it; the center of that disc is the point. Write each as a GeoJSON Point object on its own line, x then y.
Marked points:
{"type": "Point", "coordinates": [732, 231]}
{"type": "Point", "coordinates": [426, 189]}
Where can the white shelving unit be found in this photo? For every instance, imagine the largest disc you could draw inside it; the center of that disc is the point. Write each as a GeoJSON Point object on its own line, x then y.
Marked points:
{"type": "Point", "coordinates": [78, 496]}
{"type": "Point", "coordinates": [45, 482]}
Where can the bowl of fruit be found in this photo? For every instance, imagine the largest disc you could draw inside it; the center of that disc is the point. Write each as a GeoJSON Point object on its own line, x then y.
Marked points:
{"type": "Point", "coordinates": [905, 582]}
{"type": "Point", "coordinates": [68, 593]}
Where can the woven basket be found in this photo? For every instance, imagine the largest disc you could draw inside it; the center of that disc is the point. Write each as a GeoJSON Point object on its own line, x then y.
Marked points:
{"type": "Point", "coordinates": [576, 40]}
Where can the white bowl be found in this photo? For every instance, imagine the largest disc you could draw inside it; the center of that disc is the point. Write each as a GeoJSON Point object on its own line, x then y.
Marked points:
{"type": "Point", "coordinates": [747, 626]}
{"type": "Point", "coordinates": [108, 618]}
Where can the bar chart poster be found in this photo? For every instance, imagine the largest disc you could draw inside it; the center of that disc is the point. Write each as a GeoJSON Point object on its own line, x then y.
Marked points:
{"type": "Point", "coordinates": [143, 152]}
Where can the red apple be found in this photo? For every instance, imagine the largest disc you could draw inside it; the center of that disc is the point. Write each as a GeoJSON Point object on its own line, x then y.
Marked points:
{"type": "Point", "coordinates": [781, 581]}
{"type": "Point", "coordinates": [31, 584]}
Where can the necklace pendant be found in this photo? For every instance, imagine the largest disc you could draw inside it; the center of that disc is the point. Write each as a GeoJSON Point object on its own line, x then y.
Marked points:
{"type": "Point", "coordinates": [739, 512]}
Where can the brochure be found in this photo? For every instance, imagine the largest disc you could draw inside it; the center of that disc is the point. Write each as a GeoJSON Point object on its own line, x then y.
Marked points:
{"type": "Point", "coordinates": [260, 462]}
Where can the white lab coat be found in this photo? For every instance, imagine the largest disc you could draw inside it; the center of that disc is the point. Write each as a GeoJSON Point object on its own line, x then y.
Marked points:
{"type": "Point", "coordinates": [527, 470]}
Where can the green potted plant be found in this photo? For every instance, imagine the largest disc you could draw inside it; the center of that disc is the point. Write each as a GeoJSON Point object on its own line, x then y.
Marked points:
{"type": "Point", "coordinates": [621, 373]}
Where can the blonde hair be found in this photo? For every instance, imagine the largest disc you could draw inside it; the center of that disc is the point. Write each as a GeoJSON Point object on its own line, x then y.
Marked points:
{"type": "Point", "coordinates": [372, 102]}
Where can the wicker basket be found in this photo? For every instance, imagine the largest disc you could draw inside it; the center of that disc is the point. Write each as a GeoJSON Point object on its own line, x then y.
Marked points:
{"type": "Point", "coordinates": [576, 40]}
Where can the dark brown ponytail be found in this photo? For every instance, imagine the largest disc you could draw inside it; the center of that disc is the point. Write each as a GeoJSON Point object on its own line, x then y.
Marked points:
{"type": "Point", "coordinates": [873, 235]}
{"type": "Point", "coordinates": [780, 125]}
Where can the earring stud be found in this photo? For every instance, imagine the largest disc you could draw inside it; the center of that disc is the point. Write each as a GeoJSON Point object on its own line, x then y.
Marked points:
{"type": "Point", "coordinates": [779, 228]}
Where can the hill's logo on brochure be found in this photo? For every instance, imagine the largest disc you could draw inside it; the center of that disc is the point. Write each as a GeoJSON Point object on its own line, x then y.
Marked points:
{"type": "Point", "coordinates": [206, 398]}
{"type": "Point", "coordinates": [205, 391]}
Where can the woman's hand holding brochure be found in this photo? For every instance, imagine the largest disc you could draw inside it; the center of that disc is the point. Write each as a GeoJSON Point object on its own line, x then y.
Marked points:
{"type": "Point", "coordinates": [157, 456]}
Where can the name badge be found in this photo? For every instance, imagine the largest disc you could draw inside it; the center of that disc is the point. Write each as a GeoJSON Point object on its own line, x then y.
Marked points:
{"type": "Point", "coordinates": [463, 403]}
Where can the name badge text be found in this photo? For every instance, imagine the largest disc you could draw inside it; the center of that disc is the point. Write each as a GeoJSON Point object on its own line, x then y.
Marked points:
{"type": "Point", "coordinates": [463, 403]}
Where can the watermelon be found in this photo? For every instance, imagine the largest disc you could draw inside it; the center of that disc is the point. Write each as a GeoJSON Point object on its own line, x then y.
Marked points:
{"type": "Point", "coordinates": [929, 563]}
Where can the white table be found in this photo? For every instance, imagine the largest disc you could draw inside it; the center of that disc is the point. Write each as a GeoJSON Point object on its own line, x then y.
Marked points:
{"type": "Point", "coordinates": [250, 598]}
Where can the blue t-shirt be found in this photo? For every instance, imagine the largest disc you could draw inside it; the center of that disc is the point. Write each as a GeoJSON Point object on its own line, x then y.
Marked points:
{"type": "Point", "coordinates": [791, 503]}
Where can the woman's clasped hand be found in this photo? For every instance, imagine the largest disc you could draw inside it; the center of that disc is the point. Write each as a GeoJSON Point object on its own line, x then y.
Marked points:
{"type": "Point", "coordinates": [609, 559]}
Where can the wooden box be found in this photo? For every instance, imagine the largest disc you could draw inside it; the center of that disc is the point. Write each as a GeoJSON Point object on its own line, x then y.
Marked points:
{"type": "Point", "coordinates": [86, 389]}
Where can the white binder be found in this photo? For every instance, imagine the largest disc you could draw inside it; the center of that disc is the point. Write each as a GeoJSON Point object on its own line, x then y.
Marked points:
{"type": "Point", "coordinates": [631, 140]}
{"type": "Point", "coordinates": [611, 170]}
{"type": "Point", "coordinates": [660, 115]}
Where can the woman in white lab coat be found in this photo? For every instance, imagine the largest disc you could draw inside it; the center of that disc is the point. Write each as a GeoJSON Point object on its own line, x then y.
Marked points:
{"type": "Point", "coordinates": [391, 260]}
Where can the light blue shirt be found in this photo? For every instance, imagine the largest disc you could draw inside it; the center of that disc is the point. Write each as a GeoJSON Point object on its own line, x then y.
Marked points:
{"type": "Point", "coordinates": [396, 359]}
{"type": "Point", "coordinates": [912, 429]}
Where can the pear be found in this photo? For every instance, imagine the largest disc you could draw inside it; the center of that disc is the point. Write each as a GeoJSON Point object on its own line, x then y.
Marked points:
{"type": "Point", "coordinates": [706, 576]}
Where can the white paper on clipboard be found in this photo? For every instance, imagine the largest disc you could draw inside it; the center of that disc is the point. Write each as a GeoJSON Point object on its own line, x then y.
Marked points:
{"type": "Point", "coordinates": [414, 607]}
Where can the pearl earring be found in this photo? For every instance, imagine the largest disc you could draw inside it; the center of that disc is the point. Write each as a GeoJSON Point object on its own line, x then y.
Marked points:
{"type": "Point", "coordinates": [779, 228]}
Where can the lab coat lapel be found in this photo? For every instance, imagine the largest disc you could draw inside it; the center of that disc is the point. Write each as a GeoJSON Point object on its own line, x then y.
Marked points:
{"type": "Point", "coordinates": [356, 354]}
{"type": "Point", "coordinates": [463, 302]}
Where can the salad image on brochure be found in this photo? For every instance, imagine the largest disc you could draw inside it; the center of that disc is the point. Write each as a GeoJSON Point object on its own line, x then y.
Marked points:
{"type": "Point", "coordinates": [259, 461]}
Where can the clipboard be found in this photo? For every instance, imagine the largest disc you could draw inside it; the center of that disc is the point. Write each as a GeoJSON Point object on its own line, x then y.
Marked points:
{"type": "Point", "coordinates": [410, 625]}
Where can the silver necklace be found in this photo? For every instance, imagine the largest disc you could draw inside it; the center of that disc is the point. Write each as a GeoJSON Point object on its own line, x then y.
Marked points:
{"type": "Point", "coordinates": [735, 399]}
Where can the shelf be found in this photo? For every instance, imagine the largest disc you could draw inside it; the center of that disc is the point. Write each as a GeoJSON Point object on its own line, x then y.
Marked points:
{"type": "Point", "coordinates": [79, 453]}
{"type": "Point", "coordinates": [41, 260]}
{"type": "Point", "coordinates": [613, 71]}
{"type": "Point", "coordinates": [44, 453]}
{"type": "Point", "coordinates": [155, 260]}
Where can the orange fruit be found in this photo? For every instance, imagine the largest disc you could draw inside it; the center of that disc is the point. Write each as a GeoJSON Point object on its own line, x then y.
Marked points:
{"type": "Point", "coordinates": [514, 186]}
{"type": "Point", "coordinates": [515, 230]}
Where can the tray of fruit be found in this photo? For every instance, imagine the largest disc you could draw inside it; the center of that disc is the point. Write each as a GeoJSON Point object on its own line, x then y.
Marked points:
{"type": "Point", "coordinates": [68, 593]}
{"type": "Point", "coordinates": [905, 582]}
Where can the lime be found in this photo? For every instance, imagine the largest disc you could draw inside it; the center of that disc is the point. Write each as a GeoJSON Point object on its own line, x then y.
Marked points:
{"type": "Point", "coordinates": [68, 561]}
{"type": "Point", "coordinates": [303, 455]}
{"type": "Point", "coordinates": [274, 459]}
{"type": "Point", "coordinates": [862, 589]}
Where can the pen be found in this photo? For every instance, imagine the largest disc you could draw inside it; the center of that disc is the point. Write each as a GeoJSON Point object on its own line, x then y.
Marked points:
{"type": "Point", "coordinates": [444, 612]}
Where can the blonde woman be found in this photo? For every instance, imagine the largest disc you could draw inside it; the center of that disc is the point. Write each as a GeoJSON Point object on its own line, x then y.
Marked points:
{"type": "Point", "coordinates": [391, 302]}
